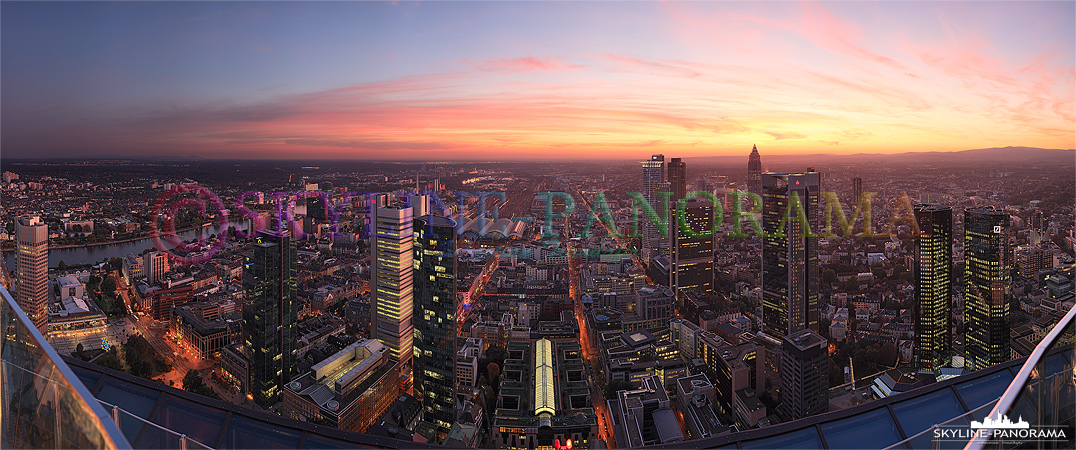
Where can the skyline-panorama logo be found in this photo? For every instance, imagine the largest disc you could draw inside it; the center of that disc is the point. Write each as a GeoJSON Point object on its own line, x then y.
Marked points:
{"type": "Point", "coordinates": [1002, 429]}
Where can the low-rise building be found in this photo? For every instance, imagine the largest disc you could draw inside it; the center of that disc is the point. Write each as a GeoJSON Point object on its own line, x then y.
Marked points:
{"type": "Point", "coordinates": [235, 366]}
{"type": "Point", "coordinates": [643, 417]}
{"type": "Point", "coordinates": [349, 390]}
{"type": "Point", "coordinates": [470, 351]}
{"type": "Point", "coordinates": [697, 398]}
{"type": "Point", "coordinates": [204, 329]}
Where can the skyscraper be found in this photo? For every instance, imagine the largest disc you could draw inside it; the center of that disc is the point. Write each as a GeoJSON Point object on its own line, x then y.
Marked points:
{"type": "Point", "coordinates": [653, 183]}
{"type": "Point", "coordinates": [987, 276]}
{"type": "Point", "coordinates": [391, 286]}
{"type": "Point", "coordinates": [32, 270]}
{"type": "Point", "coordinates": [804, 375]}
{"type": "Point", "coordinates": [754, 172]}
{"type": "Point", "coordinates": [789, 258]}
{"type": "Point", "coordinates": [933, 272]}
{"type": "Point", "coordinates": [693, 257]}
{"type": "Point", "coordinates": [154, 266]}
{"type": "Point", "coordinates": [270, 315]}
{"type": "Point", "coordinates": [435, 319]}
{"type": "Point", "coordinates": [857, 189]}
{"type": "Point", "coordinates": [677, 180]}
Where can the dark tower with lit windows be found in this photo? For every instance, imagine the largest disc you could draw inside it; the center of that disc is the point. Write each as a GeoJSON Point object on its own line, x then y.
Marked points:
{"type": "Point", "coordinates": [789, 256]}
{"type": "Point", "coordinates": [270, 315]}
{"type": "Point", "coordinates": [933, 271]}
{"type": "Point", "coordinates": [987, 277]}
{"type": "Point", "coordinates": [435, 319]}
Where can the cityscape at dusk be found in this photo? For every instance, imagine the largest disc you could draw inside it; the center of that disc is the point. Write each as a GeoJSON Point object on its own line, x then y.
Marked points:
{"type": "Point", "coordinates": [538, 225]}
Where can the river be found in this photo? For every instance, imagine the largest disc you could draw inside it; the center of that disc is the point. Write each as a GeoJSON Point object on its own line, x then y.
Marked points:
{"type": "Point", "coordinates": [99, 253]}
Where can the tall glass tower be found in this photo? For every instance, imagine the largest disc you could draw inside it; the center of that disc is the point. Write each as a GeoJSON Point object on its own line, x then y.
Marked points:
{"type": "Point", "coordinates": [435, 319]}
{"type": "Point", "coordinates": [391, 282]}
{"type": "Point", "coordinates": [789, 257]}
{"type": "Point", "coordinates": [32, 270]}
{"type": "Point", "coordinates": [933, 272]}
{"type": "Point", "coordinates": [693, 257]}
{"type": "Point", "coordinates": [653, 183]}
{"type": "Point", "coordinates": [270, 315]}
{"type": "Point", "coordinates": [987, 276]}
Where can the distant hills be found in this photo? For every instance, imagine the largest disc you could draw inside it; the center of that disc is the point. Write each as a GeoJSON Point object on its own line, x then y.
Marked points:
{"type": "Point", "coordinates": [984, 155]}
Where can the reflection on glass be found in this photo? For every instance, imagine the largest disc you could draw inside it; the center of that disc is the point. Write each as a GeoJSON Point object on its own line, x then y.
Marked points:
{"type": "Point", "coordinates": [850, 431]}
{"type": "Point", "coordinates": [1048, 398]}
{"type": "Point", "coordinates": [44, 403]}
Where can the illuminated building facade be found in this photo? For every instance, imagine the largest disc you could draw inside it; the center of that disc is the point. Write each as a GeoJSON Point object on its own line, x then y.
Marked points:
{"type": "Point", "coordinates": [391, 281]}
{"type": "Point", "coordinates": [933, 270]}
{"type": "Point", "coordinates": [270, 315]}
{"type": "Point", "coordinates": [32, 270]}
{"type": "Point", "coordinates": [789, 257]}
{"type": "Point", "coordinates": [154, 266]}
{"type": "Point", "coordinates": [653, 184]}
{"type": "Point", "coordinates": [693, 257]}
{"type": "Point", "coordinates": [987, 276]}
{"type": "Point", "coordinates": [348, 390]}
{"type": "Point", "coordinates": [435, 324]}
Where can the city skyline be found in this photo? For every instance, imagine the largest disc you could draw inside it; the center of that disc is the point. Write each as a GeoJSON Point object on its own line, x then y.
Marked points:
{"type": "Point", "coordinates": [519, 81]}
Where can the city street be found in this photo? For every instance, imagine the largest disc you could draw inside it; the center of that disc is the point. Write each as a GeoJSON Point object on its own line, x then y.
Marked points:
{"type": "Point", "coordinates": [590, 353]}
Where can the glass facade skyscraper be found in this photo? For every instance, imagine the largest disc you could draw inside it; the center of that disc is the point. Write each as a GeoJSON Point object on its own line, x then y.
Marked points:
{"type": "Point", "coordinates": [270, 315]}
{"type": "Point", "coordinates": [987, 278]}
{"type": "Point", "coordinates": [693, 257]}
{"type": "Point", "coordinates": [435, 323]}
{"type": "Point", "coordinates": [391, 286]}
{"type": "Point", "coordinates": [933, 273]}
{"type": "Point", "coordinates": [789, 257]}
{"type": "Point", "coordinates": [653, 184]}
{"type": "Point", "coordinates": [32, 270]}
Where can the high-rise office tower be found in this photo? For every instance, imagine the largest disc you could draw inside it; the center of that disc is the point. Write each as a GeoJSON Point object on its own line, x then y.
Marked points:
{"type": "Point", "coordinates": [693, 257]}
{"type": "Point", "coordinates": [154, 266]}
{"type": "Point", "coordinates": [653, 183]}
{"type": "Point", "coordinates": [270, 315]}
{"type": "Point", "coordinates": [857, 189]}
{"type": "Point", "coordinates": [987, 277]}
{"type": "Point", "coordinates": [754, 172]}
{"type": "Point", "coordinates": [392, 305]}
{"type": "Point", "coordinates": [677, 180]}
{"type": "Point", "coordinates": [933, 272]}
{"type": "Point", "coordinates": [804, 375]}
{"type": "Point", "coordinates": [32, 270]}
{"type": "Point", "coordinates": [789, 258]}
{"type": "Point", "coordinates": [435, 319]}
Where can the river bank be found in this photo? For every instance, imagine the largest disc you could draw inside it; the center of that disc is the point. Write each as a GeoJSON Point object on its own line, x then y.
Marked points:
{"type": "Point", "coordinates": [99, 244]}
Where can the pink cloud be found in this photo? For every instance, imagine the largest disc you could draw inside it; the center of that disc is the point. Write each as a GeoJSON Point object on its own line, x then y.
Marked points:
{"type": "Point", "coordinates": [515, 65]}
{"type": "Point", "coordinates": [829, 32]}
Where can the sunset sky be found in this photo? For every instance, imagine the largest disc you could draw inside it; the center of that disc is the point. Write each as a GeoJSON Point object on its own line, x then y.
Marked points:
{"type": "Point", "coordinates": [511, 80]}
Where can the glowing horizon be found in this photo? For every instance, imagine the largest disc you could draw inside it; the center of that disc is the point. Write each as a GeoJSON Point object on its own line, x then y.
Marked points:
{"type": "Point", "coordinates": [592, 80]}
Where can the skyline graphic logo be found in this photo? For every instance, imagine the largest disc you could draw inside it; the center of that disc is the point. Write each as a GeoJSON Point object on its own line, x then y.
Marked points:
{"type": "Point", "coordinates": [1002, 422]}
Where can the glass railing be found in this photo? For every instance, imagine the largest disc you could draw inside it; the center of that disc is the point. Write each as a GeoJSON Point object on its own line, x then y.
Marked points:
{"type": "Point", "coordinates": [133, 426]}
{"type": "Point", "coordinates": [1038, 408]}
{"type": "Point", "coordinates": [45, 406]}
